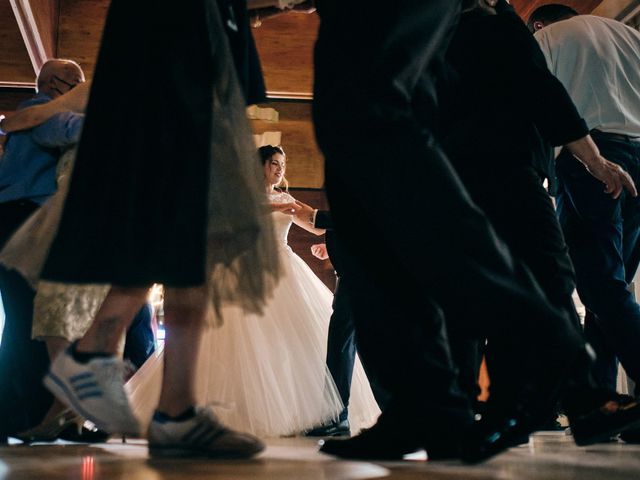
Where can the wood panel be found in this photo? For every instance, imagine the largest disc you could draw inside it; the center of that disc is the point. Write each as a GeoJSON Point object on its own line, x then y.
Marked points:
{"type": "Point", "coordinates": [80, 31]}
{"type": "Point", "coordinates": [15, 66]}
{"type": "Point", "coordinates": [526, 7]}
{"type": "Point", "coordinates": [38, 22]}
{"type": "Point", "coordinates": [305, 163]}
{"type": "Point", "coordinates": [285, 45]}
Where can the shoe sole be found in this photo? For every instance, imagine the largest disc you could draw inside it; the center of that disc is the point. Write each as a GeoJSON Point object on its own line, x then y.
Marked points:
{"type": "Point", "coordinates": [62, 393]}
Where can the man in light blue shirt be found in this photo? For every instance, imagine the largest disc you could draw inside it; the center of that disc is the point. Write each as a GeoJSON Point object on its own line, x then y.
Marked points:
{"type": "Point", "coordinates": [27, 179]}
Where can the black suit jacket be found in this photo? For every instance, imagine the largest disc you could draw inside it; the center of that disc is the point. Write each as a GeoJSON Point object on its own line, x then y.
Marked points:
{"type": "Point", "coordinates": [324, 220]}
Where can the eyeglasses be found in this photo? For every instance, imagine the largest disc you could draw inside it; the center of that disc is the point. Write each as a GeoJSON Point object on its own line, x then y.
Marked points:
{"type": "Point", "coordinates": [68, 84]}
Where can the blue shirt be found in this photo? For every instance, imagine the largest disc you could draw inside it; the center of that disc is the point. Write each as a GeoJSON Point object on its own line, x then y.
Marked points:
{"type": "Point", "coordinates": [28, 167]}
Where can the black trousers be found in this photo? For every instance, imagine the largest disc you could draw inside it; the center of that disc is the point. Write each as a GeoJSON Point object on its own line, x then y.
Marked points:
{"type": "Point", "coordinates": [341, 351]}
{"type": "Point", "coordinates": [417, 249]}
{"type": "Point", "coordinates": [23, 362]}
{"type": "Point", "coordinates": [523, 215]}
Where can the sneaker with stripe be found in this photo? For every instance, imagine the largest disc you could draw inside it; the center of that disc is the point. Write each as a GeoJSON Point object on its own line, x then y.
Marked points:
{"type": "Point", "coordinates": [94, 390]}
{"type": "Point", "coordinates": [200, 436]}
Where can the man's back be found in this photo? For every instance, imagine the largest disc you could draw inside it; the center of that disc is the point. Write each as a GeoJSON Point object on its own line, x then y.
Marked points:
{"type": "Point", "coordinates": [27, 169]}
{"type": "Point", "coordinates": [598, 61]}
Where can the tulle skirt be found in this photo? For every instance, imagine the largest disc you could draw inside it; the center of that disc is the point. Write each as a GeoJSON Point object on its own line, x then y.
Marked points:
{"type": "Point", "coordinates": [267, 374]}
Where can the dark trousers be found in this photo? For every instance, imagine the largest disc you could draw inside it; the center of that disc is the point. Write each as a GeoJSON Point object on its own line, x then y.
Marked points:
{"type": "Point", "coordinates": [23, 362]}
{"type": "Point", "coordinates": [384, 175]}
{"type": "Point", "coordinates": [341, 351]}
{"type": "Point", "coordinates": [522, 213]}
{"type": "Point", "coordinates": [602, 234]}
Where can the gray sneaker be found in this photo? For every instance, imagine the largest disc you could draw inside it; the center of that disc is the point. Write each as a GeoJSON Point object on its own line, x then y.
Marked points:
{"type": "Point", "coordinates": [94, 390]}
{"type": "Point", "coordinates": [200, 436]}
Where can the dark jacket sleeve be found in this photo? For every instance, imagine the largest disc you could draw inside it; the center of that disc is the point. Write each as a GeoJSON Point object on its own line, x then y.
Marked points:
{"type": "Point", "coordinates": [549, 103]}
{"type": "Point", "coordinates": [323, 220]}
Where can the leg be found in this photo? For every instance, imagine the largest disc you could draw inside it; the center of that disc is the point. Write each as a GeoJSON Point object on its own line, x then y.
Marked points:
{"type": "Point", "coordinates": [184, 326]}
{"type": "Point", "coordinates": [341, 347]}
{"type": "Point", "coordinates": [594, 226]}
{"type": "Point", "coordinates": [23, 361]}
{"type": "Point", "coordinates": [88, 378]}
{"type": "Point", "coordinates": [179, 428]}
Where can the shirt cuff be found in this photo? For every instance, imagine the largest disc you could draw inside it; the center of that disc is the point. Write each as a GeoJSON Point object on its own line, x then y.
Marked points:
{"type": "Point", "coordinates": [313, 217]}
{"type": "Point", "coordinates": [2, 132]}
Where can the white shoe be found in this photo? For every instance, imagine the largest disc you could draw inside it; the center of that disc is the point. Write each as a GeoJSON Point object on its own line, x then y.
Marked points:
{"type": "Point", "coordinates": [200, 436]}
{"type": "Point", "coordinates": [94, 390]}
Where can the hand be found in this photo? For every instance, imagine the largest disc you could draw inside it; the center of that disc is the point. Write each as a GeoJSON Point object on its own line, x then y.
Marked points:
{"type": "Point", "coordinates": [290, 208]}
{"type": "Point", "coordinates": [613, 176]}
{"type": "Point", "coordinates": [306, 213]}
{"type": "Point", "coordinates": [319, 250]}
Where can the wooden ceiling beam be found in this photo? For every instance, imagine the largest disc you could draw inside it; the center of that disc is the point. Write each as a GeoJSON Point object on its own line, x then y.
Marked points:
{"type": "Point", "coordinates": [38, 23]}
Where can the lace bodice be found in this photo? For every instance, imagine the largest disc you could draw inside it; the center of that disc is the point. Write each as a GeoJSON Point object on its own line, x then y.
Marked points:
{"type": "Point", "coordinates": [281, 221]}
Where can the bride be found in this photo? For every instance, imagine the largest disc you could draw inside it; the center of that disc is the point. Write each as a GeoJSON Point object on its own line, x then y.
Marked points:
{"type": "Point", "coordinates": [267, 374]}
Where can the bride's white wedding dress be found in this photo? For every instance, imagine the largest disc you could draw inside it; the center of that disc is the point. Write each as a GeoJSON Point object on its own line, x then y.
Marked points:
{"type": "Point", "coordinates": [267, 374]}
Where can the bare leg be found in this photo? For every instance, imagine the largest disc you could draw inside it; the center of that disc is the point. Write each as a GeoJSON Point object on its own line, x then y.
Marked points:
{"type": "Point", "coordinates": [112, 320]}
{"type": "Point", "coordinates": [184, 326]}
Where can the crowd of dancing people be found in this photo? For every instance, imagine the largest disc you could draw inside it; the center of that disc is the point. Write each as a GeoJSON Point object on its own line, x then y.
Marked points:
{"type": "Point", "coordinates": [438, 122]}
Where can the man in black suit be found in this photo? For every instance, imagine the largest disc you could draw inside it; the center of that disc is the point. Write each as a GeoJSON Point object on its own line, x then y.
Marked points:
{"type": "Point", "coordinates": [394, 196]}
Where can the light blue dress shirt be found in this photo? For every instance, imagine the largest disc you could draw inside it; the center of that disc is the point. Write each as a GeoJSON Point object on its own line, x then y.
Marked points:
{"type": "Point", "coordinates": [28, 167]}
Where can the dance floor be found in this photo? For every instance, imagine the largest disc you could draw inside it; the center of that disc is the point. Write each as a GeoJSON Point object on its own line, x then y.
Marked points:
{"type": "Point", "coordinates": [549, 456]}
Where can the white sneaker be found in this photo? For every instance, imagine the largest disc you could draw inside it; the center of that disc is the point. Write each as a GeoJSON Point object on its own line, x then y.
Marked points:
{"type": "Point", "coordinates": [94, 390]}
{"type": "Point", "coordinates": [200, 436]}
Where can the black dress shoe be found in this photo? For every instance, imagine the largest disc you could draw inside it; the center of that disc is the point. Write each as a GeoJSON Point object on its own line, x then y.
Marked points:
{"type": "Point", "coordinates": [85, 435]}
{"type": "Point", "coordinates": [387, 442]}
{"type": "Point", "coordinates": [494, 434]}
{"type": "Point", "coordinates": [631, 436]}
{"type": "Point", "coordinates": [605, 422]}
{"type": "Point", "coordinates": [339, 429]}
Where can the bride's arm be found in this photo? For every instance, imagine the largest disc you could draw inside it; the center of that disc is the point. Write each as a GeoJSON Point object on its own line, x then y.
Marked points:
{"type": "Point", "coordinates": [304, 218]}
{"type": "Point", "coordinates": [74, 100]}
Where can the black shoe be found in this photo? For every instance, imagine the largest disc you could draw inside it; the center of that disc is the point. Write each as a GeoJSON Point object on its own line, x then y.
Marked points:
{"type": "Point", "coordinates": [339, 429]}
{"type": "Point", "coordinates": [85, 435]}
{"type": "Point", "coordinates": [601, 424]}
{"type": "Point", "coordinates": [631, 436]}
{"type": "Point", "coordinates": [385, 441]}
{"type": "Point", "coordinates": [495, 433]}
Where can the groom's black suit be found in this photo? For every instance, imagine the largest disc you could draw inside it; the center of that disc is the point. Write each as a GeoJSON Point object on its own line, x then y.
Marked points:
{"type": "Point", "coordinates": [395, 197]}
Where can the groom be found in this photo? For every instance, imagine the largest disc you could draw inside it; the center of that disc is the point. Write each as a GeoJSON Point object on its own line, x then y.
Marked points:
{"type": "Point", "coordinates": [394, 196]}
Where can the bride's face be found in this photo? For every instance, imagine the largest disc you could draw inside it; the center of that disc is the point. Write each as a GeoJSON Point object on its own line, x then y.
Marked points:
{"type": "Point", "coordinates": [274, 169]}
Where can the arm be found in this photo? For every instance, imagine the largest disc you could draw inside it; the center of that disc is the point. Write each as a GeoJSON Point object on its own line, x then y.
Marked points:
{"type": "Point", "coordinates": [305, 218]}
{"type": "Point", "coordinates": [612, 175]}
{"type": "Point", "coordinates": [61, 130]}
{"type": "Point", "coordinates": [74, 101]}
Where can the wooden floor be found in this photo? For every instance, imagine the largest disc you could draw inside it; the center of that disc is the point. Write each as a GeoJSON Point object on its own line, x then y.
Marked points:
{"type": "Point", "coordinates": [549, 456]}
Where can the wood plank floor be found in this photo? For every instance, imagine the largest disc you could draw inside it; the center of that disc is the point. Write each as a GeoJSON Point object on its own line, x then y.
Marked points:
{"type": "Point", "coordinates": [549, 456]}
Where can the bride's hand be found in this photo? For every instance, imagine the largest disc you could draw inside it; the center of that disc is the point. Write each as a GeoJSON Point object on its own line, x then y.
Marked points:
{"type": "Point", "coordinates": [287, 208]}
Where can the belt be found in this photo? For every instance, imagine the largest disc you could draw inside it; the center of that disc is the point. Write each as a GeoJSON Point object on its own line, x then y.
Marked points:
{"type": "Point", "coordinates": [615, 136]}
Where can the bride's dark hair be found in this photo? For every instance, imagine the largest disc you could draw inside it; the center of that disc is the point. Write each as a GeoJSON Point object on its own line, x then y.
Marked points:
{"type": "Point", "coordinates": [268, 151]}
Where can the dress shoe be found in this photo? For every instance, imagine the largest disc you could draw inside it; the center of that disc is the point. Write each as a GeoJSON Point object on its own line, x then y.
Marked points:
{"type": "Point", "coordinates": [631, 436]}
{"type": "Point", "coordinates": [602, 423]}
{"type": "Point", "coordinates": [50, 430]}
{"type": "Point", "coordinates": [84, 434]}
{"type": "Point", "coordinates": [335, 429]}
{"type": "Point", "coordinates": [386, 441]}
{"type": "Point", "coordinates": [495, 433]}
